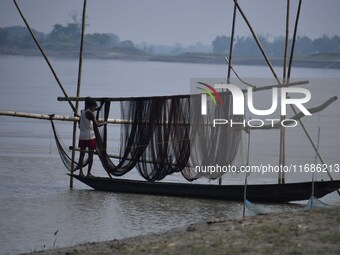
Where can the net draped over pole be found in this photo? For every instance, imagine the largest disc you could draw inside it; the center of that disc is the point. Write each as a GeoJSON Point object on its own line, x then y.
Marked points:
{"type": "Point", "coordinates": [168, 135]}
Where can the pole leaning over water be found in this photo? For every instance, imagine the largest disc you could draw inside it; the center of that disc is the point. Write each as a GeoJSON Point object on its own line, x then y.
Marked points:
{"type": "Point", "coordinates": [44, 55]}
{"type": "Point", "coordinates": [294, 39]}
{"type": "Point", "coordinates": [231, 44]}
{"type": "Point", "coordinates": [314, 147]}
{"type": "Point", "coordinates": [74, 138]}
{"type": "Point", "coordinates": [257, 42]}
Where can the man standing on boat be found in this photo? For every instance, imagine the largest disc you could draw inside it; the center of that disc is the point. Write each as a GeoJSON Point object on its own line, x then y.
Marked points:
{"type": "Point", "coordinates": [87, 137]}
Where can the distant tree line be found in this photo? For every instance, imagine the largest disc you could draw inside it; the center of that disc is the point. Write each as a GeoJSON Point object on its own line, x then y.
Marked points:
{"type": "Point", "coordinates": [246, 46]}
{"type": "Point", "coordinates": [67, 38]}
{"type": "Point", "coordinates": [61, 37]}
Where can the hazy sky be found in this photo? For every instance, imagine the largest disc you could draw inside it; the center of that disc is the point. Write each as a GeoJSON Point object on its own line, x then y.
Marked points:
{"type": "Point", "coordinates": [171, 21]}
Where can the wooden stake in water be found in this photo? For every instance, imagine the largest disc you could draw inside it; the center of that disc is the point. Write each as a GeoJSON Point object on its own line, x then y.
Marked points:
{"type": "Point", "coordinates": [246, 177]}
{"type": "Point", "coordinates": [78, 91]}
{"type": "Point", "coordinates": [282, 158]}
{"type": "Point", "coordinates": [314, 146]}
{"type": "Point", "coordinates": [315, 160]}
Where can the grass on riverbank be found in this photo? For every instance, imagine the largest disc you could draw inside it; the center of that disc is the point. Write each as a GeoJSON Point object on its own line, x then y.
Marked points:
{"type": "Point", "coordinates": [300, 232]}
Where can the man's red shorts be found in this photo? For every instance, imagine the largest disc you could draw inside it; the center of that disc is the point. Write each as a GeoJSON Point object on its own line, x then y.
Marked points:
{"type": "Point", "coordinates": [91, 144]}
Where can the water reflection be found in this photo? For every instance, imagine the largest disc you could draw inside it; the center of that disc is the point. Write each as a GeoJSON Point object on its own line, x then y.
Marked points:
{"type": "Point", "coordinates": [35, 200]}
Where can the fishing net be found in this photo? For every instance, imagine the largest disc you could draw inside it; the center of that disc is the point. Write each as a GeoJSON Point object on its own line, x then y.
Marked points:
{"type": "Point", "coordinates": [314, 202]}
{"type": "Point", "coordinates": [252, 209]}
{"type": "Point", "coordinates": [64, 151]}
{"type": "Point", "coordinates": [155, 140]}
{"type": "Point", "coordinates": [162, 135]}
{"type": "Point", "coordinates": [212, 146]}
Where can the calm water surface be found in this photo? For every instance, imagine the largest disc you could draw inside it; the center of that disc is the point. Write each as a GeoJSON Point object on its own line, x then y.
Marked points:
{"type": "Point", "coordinates": [35, 201]}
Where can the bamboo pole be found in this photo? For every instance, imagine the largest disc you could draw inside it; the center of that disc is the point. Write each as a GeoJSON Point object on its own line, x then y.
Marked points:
{"type": "Point", "coordinates": [62, 118]}
{"type": "Point", "coordinates": [72, 118]}
{"type": "Point", "coordinates": [45, 56]}
{"type": "Point", "coordinates": [286, 84]}
{"type": "Point", "coordinates": [286, 42]}
{"type": "Point", "coordinates": [287, 78]}
{"type": "Point", "coordinates": [121, 99]}
{"type": "Point", "coordinates": [237, 76]}
{"type": "Point", "coordinates": [118, 156]}
{"type": "Point", "coordinates": [298, 116]}
{"type": "Point", "coordinates": [245, 196]}
{"type": "Point", "coordinates": [314, 147]}
{"type": "Point", "coordinates": [230, 58]}
{"type": "Point", "coordinates": [294, 39]}
{"type": "Point", "coordinates": [37, 116]}
{"type": "Point", "coordinates": [231, 44]}
{"type": "Point", "coordinates": [282, 153]}
{"type": "Point", "coordinates": [246, 178]}
{"type": "Point", "coordinates": [257, 42]}
{"type": "Point", "coordinates": [313, 174]}
{"type": "Point", "coordinates": [78, 91]}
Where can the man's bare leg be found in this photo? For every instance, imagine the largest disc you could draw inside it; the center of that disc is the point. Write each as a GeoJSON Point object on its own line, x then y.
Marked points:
{"type": "Point", "coordinates": [90, 163]}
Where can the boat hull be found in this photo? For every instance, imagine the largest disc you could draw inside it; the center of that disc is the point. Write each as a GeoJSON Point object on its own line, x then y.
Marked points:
{"type": "Point", "coordinates": [267, 193]}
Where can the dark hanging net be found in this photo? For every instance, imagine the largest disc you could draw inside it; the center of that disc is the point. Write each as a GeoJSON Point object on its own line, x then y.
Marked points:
{"type": "Point", "coordinates": [164, 135]}
{"type": "Point", "coordinates": [212, 146]}
{"type": "Point", "coordinates": [156, 141]}
{"type": "Point", "coordinates": [168, 150]}
{"type": "Point", "coordinates": [62, 150]}
{"type": "Point", "coordinates": [168, 134]}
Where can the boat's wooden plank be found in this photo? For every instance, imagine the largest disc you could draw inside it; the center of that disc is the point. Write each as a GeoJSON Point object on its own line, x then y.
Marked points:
{"type": "Point", "coordinates": [268, 193]}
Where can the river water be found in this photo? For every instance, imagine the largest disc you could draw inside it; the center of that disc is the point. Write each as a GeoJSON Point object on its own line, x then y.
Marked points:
{"type": "Point", "coordinates": [38, 210]}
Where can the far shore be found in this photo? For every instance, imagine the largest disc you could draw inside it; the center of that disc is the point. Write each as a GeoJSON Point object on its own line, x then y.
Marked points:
{"type": "Point", "coordinates": [317, 61]}
{"type": "Point", "coordinates": [299, 232]}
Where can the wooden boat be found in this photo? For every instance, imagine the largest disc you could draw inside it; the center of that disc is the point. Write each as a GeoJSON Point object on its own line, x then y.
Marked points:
{"type": "Point", "coordinates": [270, 193]}
{"type": "Point", "coordinates": [266, 193]}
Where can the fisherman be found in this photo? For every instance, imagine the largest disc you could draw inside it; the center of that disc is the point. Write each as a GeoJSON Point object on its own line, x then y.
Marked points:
{"type": "Point", "coordinates": [87, 137]}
